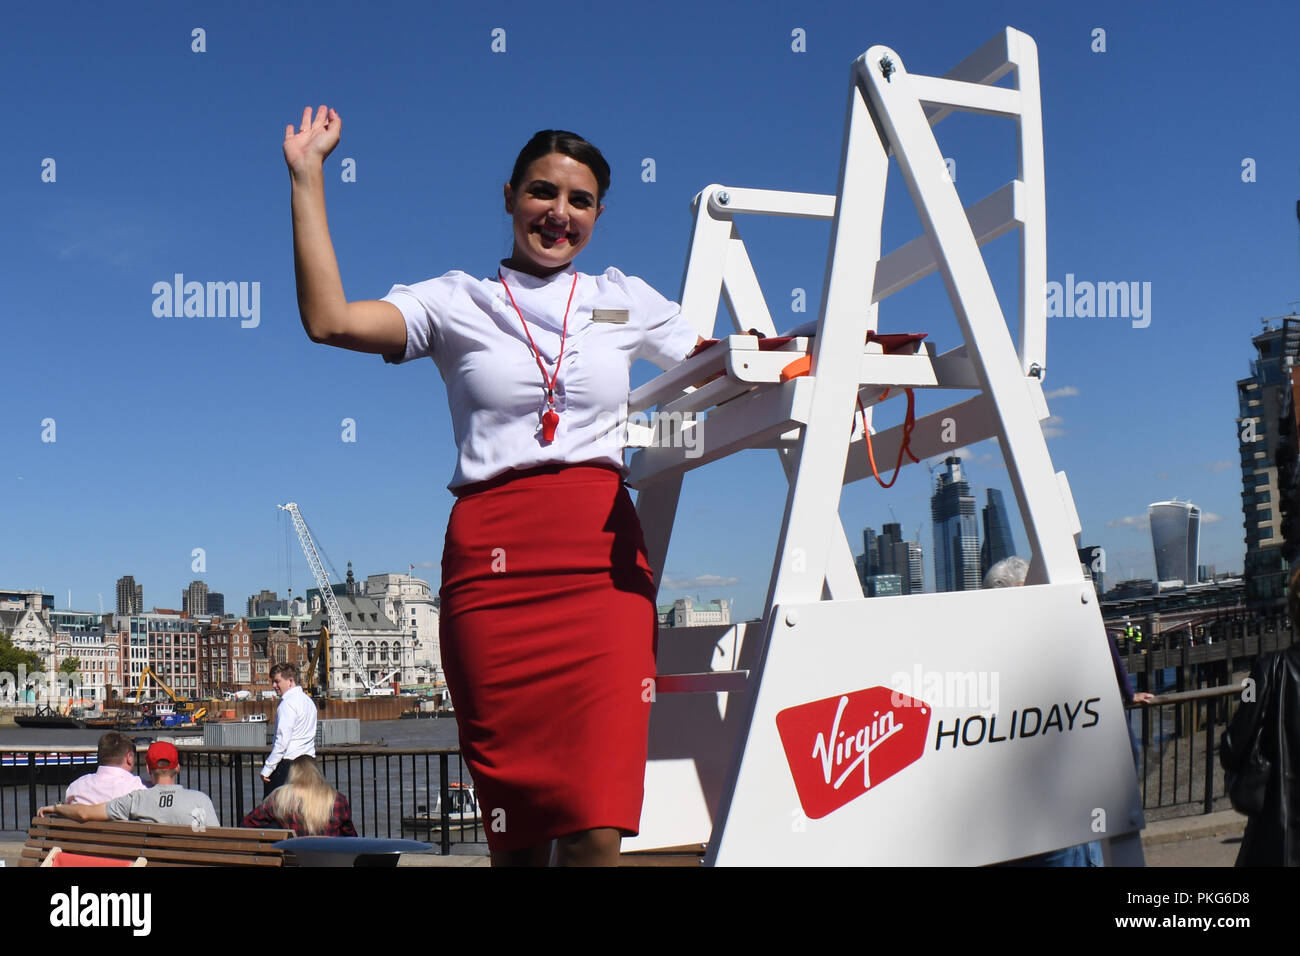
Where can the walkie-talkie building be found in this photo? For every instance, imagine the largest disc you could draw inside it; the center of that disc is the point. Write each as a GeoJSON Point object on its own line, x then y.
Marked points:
{"type": "Point", "coordinates": [1176, 539]}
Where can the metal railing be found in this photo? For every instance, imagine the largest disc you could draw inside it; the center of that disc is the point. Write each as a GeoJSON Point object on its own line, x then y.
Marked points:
{"type": "Point", "coordinates": [1178, 767]}
{"type": "Point", "coordinates": [392, 790]}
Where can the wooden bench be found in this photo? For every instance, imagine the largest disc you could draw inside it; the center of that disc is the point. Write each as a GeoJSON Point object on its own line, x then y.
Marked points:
{"type": "Point", "coordinates": [160, 844]}
{"type": "Point", "coordinates": [689, 855]}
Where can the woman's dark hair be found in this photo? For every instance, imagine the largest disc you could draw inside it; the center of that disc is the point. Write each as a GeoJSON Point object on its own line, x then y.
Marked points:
{"type": "Point", "coordinates": [547, 141]}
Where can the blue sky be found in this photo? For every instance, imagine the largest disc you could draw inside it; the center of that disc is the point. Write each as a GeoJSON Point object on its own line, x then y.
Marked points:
{"type": "Point", "coordinates": [175, 434]}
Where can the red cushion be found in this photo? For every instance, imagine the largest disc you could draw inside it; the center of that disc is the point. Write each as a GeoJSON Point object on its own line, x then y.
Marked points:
{"type": "Point", "coordinates": [64, 858]}
{"type": "Point", "coordinates": [890, 342]}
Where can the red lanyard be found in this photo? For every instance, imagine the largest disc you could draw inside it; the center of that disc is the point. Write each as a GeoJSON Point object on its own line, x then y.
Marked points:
{"type": "Point", "coordinates": [552, 417]}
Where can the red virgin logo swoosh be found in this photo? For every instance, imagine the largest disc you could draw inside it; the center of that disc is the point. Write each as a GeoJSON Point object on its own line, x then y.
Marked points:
{"type": "Point", "coordinates": [840, 747]}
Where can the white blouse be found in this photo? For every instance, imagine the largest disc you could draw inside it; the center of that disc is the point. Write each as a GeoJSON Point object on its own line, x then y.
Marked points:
{"type": "Point", "coordinates": [472, 332]}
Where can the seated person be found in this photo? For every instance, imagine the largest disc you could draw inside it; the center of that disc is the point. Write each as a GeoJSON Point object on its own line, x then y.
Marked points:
{"type": "Point", "coordinates": [305, 804]}
{"type": "Point", "coordinates": [165, 802]}
{"type": "Point", "coordinates": [115, 776]}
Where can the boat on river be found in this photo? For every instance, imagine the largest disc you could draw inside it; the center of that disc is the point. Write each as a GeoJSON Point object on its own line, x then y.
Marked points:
{"type": "Point", "coordinates": [46, 718]}
{"type": "Point", "coordinates": [462, 814]}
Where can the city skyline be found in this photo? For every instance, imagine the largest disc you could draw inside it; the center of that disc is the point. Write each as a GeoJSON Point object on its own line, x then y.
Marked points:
{"type": "Point", "coordinates": [92, 484]}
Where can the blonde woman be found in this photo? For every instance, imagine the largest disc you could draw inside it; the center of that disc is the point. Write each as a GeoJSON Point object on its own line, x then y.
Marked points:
{"type": "Point", "coordinates": [305, 804]}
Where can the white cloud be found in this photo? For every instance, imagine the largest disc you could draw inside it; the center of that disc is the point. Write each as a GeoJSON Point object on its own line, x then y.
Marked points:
{"type": "Point", "coordinates": [1068, 391]}
{"type": "Point", "coordinates": [1136, 522]}
{"type": "Point", "coordinates": [101, 231]}
{"type": "Point", "coordinates": [967, 455]}
{"type": "Point", "coordinates": [1209, 517]}
{"type": "Point", "coordinates": [699, 581]}
{"type": "Point", "coordinates": [1050, 429]}
{"type": "Point", "coordinates": [1218, 466]}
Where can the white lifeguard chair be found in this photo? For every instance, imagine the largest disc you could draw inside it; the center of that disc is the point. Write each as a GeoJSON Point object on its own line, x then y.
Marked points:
{"type": "Point", "coordinates": [812, 751]}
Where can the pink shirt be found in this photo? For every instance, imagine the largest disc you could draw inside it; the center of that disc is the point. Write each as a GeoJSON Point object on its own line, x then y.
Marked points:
{"type": "Point", "coordinates": [103, 785]}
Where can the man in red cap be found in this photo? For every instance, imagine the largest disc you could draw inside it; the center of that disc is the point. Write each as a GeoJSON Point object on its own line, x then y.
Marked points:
{"type": "Point", "coordinates": [165, 802]}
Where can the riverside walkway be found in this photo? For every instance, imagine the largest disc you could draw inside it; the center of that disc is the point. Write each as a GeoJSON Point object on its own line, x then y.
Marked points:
{"type": "Point", "coordinates": [1208, 840]}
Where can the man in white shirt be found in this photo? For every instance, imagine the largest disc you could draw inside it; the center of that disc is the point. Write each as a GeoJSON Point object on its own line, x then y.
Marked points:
{"type": "Point", "coordinates": [115, 776]}
{"type": "Point", "coordinates": [295, 726]}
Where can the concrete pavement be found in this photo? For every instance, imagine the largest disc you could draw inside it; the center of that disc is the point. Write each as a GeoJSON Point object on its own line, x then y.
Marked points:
{"type": "Point", "coordinates": [1211, 839]}
{"type": "Point", "coordinates": [1207, 840]}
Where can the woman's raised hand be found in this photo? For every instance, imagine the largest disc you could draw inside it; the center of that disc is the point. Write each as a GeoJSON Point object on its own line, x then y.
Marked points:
{"type": "Point", "coordinates": [317, 138]}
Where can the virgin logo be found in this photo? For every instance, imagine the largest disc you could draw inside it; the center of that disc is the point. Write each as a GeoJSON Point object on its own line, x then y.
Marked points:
{"type": "Point", "coordinates": [840, 747]}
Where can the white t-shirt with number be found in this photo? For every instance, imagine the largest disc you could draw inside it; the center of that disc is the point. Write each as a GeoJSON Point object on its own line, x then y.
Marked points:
{"type": "Point", "coordinates": [469, 327]}
{"type": "Point", "coordinates": [166, 803]}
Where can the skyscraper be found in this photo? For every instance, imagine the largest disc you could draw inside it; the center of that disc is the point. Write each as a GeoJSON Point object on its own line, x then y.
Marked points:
{"type": "Point", "coordinates": [998, 544]}
{"type": "Point", "coordinates": [914, 581]}
{"type": "Point", "coordinates": [1176, 540]}
{"type": "Point", "coordinates": [891, 559]}
{"type": "Point", "coordinates": [956, 535]}
{"type": "Point", "coordinates": [870, 561]}
{"type": "Point", "coordinates": [256, 602]}
{"type": "Point", "coordinates": [887, 554]}
{"type": "Point", "coordinates": [130, 596]}
{"type": "Point", "coordinates": [194, 599]}
{"type": "Point", "coordinates": [1259, 404]}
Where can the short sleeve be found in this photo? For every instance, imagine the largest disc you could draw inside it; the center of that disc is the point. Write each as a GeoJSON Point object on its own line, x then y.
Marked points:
{"type": "Point", "coordinates": [422, 306]}
{"type": "Point", "coordinates": [119, 808]}
{"type": "Point", "coordinates": [210, 816]}
{"type": "Point", "coordinates": [667, 337]}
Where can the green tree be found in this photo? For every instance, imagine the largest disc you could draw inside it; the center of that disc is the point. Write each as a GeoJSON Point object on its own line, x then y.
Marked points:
{"type": "Point", "coordinates": [70, 665]}
{"type": "Point", "coordinates": [11, 658]}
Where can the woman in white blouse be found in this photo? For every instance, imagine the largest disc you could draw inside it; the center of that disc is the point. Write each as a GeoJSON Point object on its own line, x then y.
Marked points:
{"type": "Point", "coordinates": [548, 619]}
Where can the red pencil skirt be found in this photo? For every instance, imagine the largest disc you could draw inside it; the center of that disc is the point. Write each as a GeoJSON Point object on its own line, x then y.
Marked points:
{"type": "Point", "coordinates": [548, 633]}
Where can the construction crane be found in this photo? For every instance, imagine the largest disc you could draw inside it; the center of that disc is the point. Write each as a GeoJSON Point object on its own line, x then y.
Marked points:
{"type": "Point", "coordinates": [320, 658]}
{"type": "Point", "coordinates": [181, 702]}
{"type": "Point", "coordinates": [338, 628]}
{"type": "Point", "coordinates": [183, 705]}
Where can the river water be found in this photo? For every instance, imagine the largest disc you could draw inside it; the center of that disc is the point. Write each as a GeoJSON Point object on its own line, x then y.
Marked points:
{"type": "Point", "coordinates": [439, 733]}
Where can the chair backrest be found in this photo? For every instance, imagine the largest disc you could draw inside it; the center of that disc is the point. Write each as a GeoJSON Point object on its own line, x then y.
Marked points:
{"type": "Point", "coordinates": [721, 776]}
{"type": "Point", "coordinates": [160, 844]}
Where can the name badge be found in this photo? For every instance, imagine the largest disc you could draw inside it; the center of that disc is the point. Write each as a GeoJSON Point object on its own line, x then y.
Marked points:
{"type": "Point", "coordinates": [616, 316]}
